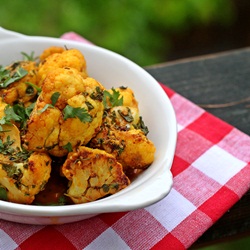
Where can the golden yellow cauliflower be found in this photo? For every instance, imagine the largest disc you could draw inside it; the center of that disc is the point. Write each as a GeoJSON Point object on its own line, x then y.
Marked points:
{"type": "Point", "coordinates": [128, 96]}
{"type": "Point", "coordinates": [49, 51]}
{"type": "Point", "coordinates": [43, 129]}
{"type": "Point", "coordinates": [71, 58]}
{"type": "Point", "coordinates": [2, 107]}
{"type": "Point", "coordinates": [71, 119]}
{"type": "Point", "coordinates": [21, 181]}
{"type": "Point", "coordinates": [22, 174]}
{"type": "Point", "coordinates": [75, 131]}
{"type": "Point", "coordinates": [122, 118]}
{"type": "Point", "coordinates": [93, 174]}
{"type": "Point", "coordinates": [21, 91]}
{"type": "Point", "coordinates": [123, 133]}
{"type": "Point", "coordinates": [66, 81]}
{"type": "Point", "coordinates": [131, 148]}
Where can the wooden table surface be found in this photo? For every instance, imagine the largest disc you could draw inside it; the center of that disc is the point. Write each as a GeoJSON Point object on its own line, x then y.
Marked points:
{"type": "Point", "coordinates": [220, 83]}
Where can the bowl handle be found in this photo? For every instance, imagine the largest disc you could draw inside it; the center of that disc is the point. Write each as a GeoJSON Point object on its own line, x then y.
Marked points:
{"type": "Point", "coordinates": [7, 34]}
{"type": "Point", "coordinates": [163, 181]}
{"type": "Point", "coordinates": [147, 194]}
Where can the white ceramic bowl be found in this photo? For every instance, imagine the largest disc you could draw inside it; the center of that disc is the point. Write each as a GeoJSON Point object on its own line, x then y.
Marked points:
{"type": "Point", "coordinates": [112, 70]}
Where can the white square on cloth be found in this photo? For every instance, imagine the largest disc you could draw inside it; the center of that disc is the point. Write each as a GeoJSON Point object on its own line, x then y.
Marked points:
{"type": "Point", "coordinates": [6, 242]}
{"type": "Point", "coordinates": [186, 111]}
{"type": "Point", "coordinates": [109, 239]}
{"type": "Point", "coordinates": [172, 210]}
{"type": "Point", "coordinates": [218, 164]}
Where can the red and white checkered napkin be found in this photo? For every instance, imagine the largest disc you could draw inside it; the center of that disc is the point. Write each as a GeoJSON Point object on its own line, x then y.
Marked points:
{"type": "Point", "coordinates": [211, 172]}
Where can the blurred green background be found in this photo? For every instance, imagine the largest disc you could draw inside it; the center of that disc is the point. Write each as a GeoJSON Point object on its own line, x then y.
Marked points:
{"type": "Point", "coordinates": [146, 31]}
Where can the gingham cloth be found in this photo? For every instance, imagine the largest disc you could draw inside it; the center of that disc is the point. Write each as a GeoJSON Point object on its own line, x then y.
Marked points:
{"type": "Point", "coordinates": [211, 172]}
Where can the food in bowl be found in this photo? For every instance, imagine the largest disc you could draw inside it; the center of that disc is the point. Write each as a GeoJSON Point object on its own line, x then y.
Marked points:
{"type": "Point", "coordinates": [112, 70]}
{"type": "Point", "coordinates": [65, 138]}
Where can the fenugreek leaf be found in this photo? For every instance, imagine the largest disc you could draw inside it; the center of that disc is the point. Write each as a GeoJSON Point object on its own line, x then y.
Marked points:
{"type": "Point", "coordinates": [80, 113]}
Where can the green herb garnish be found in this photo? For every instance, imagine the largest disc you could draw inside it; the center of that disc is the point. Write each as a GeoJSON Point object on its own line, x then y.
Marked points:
{"type": "Point", "coordinates": [16, 113]}
{"type": "Point", "coordinates": [54, 98]}
{"type": "Point", "coordinates": [46, 107]}
{"type": "Point", "coordinates": [5, 147]}
{"type": "Point", "coordinates": [30, 57]}
{"type": "Point", "coordinates": [3, 194]}
{"type": "Point", "coordinates": [97, 95]}
{"type": "Point", "coordinates": [12, 171]}
{"type": "Point", "coordinates": [68, 146]}
{"type": "Point", "coordinates": [6, 76]}
{"type": "Point", "coordinates": [38, 89]}
{"type": "Point", "coordinates": [141, 125]}
{"type": "Point", "coordinates": [80, 113]}
{"type": "Point", "coordinates": [128, 117]}
{"type": "Point", "coordinates": [115, 99]}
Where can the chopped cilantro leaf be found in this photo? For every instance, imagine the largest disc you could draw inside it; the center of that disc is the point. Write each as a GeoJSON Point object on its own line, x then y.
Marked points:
{"type": "Point", "coordinates": [6, 76]}
{"type": "Point", "coordinates": [3, 194]}
{"type": "Point", "coordinates": [30, 57]}
{"type": "Point", "coordinates": [62, 200]}
{"type": "Point", "coordinates": [127, 116]}
{"type": "Point", "coordinates": [10, 115]}
{"type": "Point", "coordinates": [34, 86]}
{"type": "Point", "coordinates": [115, 99]}
{"type": "Point", "coordinates": [16, 113]}
{"type": "Point", "coordinates": [54, 98]}
{"type": "Point", "coordinates": [80, 113]}
{"type": "Point", "coordinates": [46, 106]}
{"type": "Point", "coordinates": [141, 125]}
{"type": "Point", "coordinates": [68, 146]}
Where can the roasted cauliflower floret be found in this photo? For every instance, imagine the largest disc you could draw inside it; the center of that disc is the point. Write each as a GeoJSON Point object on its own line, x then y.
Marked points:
{"type": "Point", "coordinates": [43, 129]}
{"type": "Point", "coordinates": [121, 108]}
{"type": "Point", "coordinates": [22, 90]}
{"type": "Point", "coordinates": [123, 133]}
{"type": "Point", "coordinates": [131, 148]}
{"type": "Point", "coordinates": [122, 118]}
{"type": "Point", "coordinates": [2, 108]}
{"type": "Point", "coordinates": [93, 174]}
{"type": "Point", "coordinates": [49, 51]}
{"type": "Point", "coordinates": [22, 174]}
{"type": "Point", "coordinates": [138, 152]}
{"type": "Point", "coordinates": [21, 181]}
{"type": "Point", "coordinates": [72, 119]}
{"type": "Point", "coordinates": [75, 130]}
{"type": "Point", "coordinates": [66, 81]}
{"type": "Point", "coordinates": [71, 58]}
{"type": "Point", "coordinates": [128, 96]}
